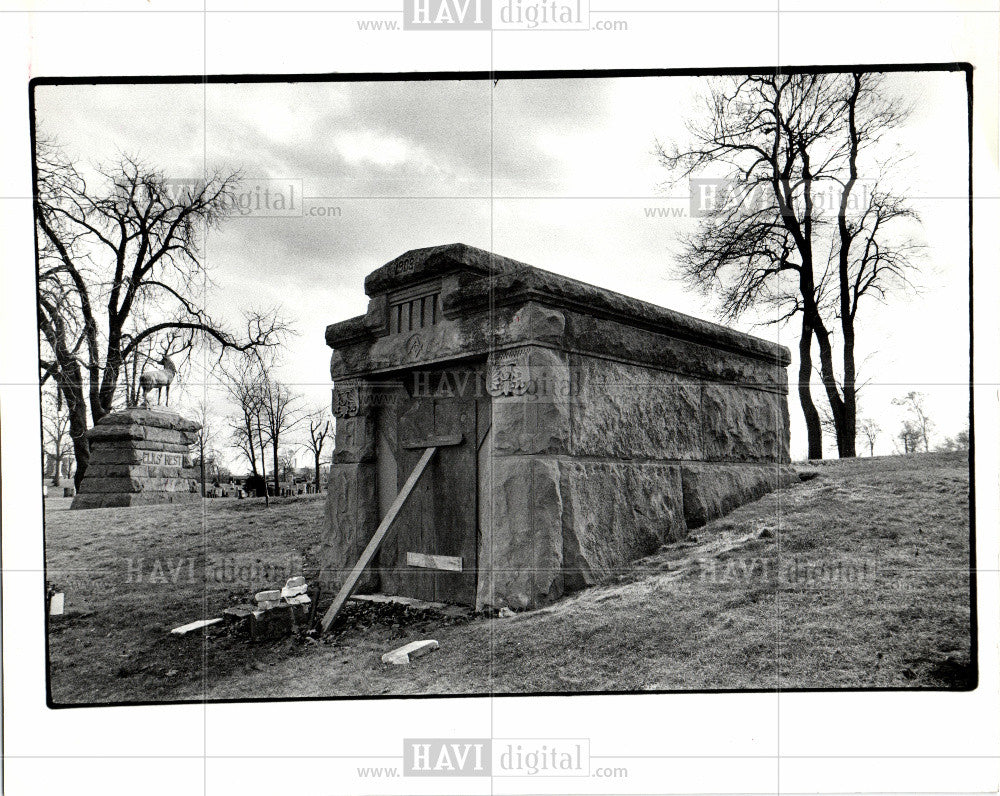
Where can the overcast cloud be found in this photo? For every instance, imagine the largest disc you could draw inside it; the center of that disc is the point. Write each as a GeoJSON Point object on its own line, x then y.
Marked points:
{"type": "Point", "coordinates": [559, 174]}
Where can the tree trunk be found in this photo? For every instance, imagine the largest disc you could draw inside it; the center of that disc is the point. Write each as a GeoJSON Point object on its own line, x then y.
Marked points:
{"type": "Point", "coordinates": [317, 473]}
{"type": "Point", "coordinates": [277, 474]}
{"type": "Point", "coordinates": [70, 383]}
{"type": "Point", "coordinates": [812, 317]}
{"type": "Point", "coordinates": [830, 381]}
{"type": "Point", "coordinates": [112, 372]}
{"type": "Point", "coordinates": [849, 425]}
{"type": "Point", "coordinates": [250, 445]}
{"type": "Point", "coordinates": [263, 464]}
{"type": "Point", "coordinates": [847, 422]}
{"type": "Point", "coordinates": [78, 431]}
{"type": "Point", "coordinates": [203, 471]}
{"type": "Point", "coordinates": [814, 429]}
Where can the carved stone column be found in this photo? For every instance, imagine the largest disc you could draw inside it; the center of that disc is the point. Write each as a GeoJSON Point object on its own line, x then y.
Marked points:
{"type": "Point", "coordinates": [521, 547]}
{"type": "Point", "coordinates": [351, 512]}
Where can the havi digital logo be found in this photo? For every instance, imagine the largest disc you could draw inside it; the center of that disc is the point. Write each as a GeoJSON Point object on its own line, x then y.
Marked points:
{"type": "Point", "coordinates": [505, 15]}
{"type": "Point", "coordinates": [446, 757]}
{"type": "Point", "coordinates": [499, 757]}
{"type": "Point", "coordinates": [447, 14]}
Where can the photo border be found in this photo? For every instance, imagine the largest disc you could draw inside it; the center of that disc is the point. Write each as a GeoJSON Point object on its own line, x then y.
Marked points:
{"type": "Point", "coordinates": [547, 74]}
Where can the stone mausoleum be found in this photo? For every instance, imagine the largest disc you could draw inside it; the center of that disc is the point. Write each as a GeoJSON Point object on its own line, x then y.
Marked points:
{"type": "Point", "coordinates": [578, 429]}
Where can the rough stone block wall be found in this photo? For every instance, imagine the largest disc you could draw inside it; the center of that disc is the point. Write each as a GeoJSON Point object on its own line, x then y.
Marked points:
{"type": "Point", "coordinates": [521, 546]}
{"type": "Point", "coordinates": [138, 457]}
{"type": "Point", "coordinates": [626, 411]}
{"type": "Point", "coordinates": [600, 462]}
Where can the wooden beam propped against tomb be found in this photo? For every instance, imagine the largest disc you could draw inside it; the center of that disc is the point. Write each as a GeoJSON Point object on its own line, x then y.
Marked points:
{"type": "Point", "coordinates": [376, 541]}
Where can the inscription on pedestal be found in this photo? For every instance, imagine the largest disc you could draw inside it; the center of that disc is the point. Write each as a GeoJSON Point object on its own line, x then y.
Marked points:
{"type": "Point", "coordinates": [165, 459]}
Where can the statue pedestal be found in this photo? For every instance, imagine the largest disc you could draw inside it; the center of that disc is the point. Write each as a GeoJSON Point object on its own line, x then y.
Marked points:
{"type": "Point", "coordinates": [139, 456]}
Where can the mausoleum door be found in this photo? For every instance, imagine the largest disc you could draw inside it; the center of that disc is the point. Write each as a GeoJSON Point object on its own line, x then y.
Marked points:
{"type": "Point", "coordinates": [431, 554]}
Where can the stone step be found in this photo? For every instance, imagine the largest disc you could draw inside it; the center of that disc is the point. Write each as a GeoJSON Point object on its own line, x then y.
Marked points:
{"type": "Point", "coordinates": [140, 471]}
{"type": "Point", "coordinates": [108, 485]}
{"type": "Point", "coordinates": [103, 433]}
{"type": "Point", "coordinates": [107, 500]}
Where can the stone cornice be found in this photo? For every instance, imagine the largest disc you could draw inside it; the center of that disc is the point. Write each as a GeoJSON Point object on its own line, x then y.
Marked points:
{"type": "Point", "coordinates": [482, 280]}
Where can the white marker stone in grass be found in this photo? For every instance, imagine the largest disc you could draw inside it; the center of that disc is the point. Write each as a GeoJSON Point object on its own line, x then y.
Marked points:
{"type": "Point", "coordinates": [415, 649]}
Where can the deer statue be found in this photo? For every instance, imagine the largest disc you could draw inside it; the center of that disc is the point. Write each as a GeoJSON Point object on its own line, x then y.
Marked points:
{"type": "Point", "coordinates": [157, 379]}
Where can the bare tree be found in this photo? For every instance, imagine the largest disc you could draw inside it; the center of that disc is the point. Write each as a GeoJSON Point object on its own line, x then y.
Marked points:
{"type": "Point", "coordinates": [287, 459]}
{"type": "Point", "coordinates": [280, 412]}
{"type": "Point", "coordinates": [319, 430]}
{"type": "Point", "coordinates": [766, 240]}
{"type": "Point", "coordinates": [119, 267]}
{"type": "Point", "coordinates": [245, 384]}
{"type": "Point", "coordinates": [56, 433]}
{"type": "Point", "coordinates": [243, 393]}
{"type": "Point", "coordinates": [910, 437]}
{"type": "Point", "coordinates": [920, 421]}
{"type": "Point", "coordinates": [870, 430]}
{"type": "Point", "coordinates": [206, 440]}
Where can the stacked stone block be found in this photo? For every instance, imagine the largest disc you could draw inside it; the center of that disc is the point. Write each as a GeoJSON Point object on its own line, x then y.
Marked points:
{"type": "Point", "coordinates": [139, 456]}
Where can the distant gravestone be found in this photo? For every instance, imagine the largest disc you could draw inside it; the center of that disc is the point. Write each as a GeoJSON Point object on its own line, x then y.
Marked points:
{"type": "Point", "coordinates": [139, 456]}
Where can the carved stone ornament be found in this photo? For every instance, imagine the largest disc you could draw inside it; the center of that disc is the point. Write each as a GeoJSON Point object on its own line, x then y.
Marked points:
{"type": "Point", "coordinates": [348, 399]}
{"type": "Point", "coordinates": [414, 345]}
{"type": "Point", "coordinates": [508, 373]}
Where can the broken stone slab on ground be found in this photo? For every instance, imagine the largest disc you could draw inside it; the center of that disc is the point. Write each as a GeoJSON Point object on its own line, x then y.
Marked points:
{"type": "Point", "coordinates": [300, 599]}
{"type": "Point", "coordinates": [415, 649]}
{"type": "Point", "coordinates": [275, 613]}
{"type": "Point", "coordinates": [197, 625]}
{"type": "Point", "coordinates": [294, 587]}
{"type": "Point", "coordinates": [271, 598]}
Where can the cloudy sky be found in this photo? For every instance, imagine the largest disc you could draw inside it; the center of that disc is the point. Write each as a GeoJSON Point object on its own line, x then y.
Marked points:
{"type": "Point", "coordinates": [557, 173]}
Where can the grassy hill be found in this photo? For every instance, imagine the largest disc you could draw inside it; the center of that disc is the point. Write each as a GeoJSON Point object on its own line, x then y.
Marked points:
{"type": "Point", "coordinates": [856, 578]}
